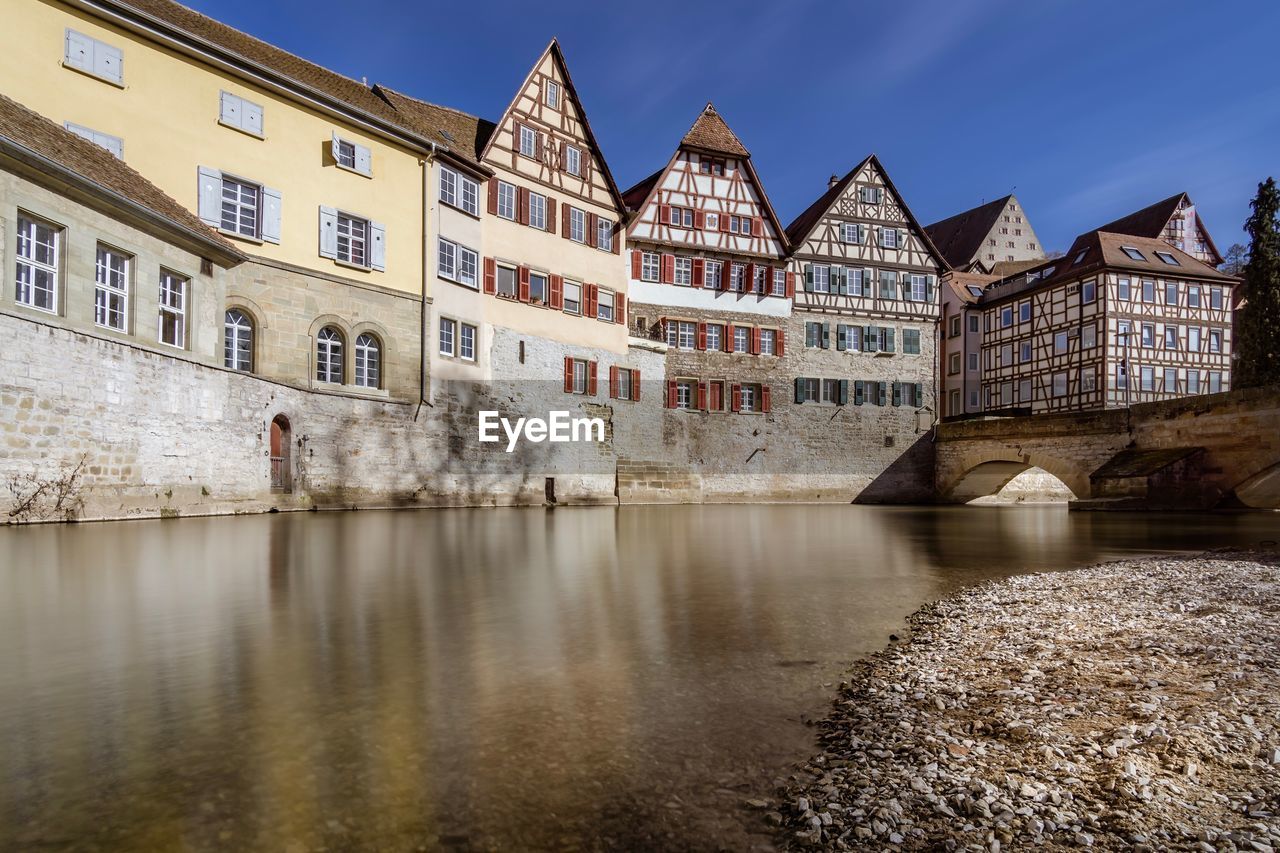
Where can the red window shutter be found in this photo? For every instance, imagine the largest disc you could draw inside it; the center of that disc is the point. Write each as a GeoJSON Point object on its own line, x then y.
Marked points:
{"type": "Point", "coordinates": [702, 336]}
{"type": "Point", "coordinates": [493, 196]}
{"type": "Point", "coordinates": [702, 396]}
{"type": "Point", "coordinates": [551, 215]}
{"type": "Point", "coordinates": [765, 402]}
{"type": "Point", "coordinates": [524, 284]}
{"type": "Point", "coordinates": [699, 272]}
{"type": "Point", "coordinates": [755, 341]}
{"type": "Point", "coordinates": [636, 260]}
{"type": "Point", "coordinates": [619, 309]}
{"type": "Point", "coordinates": [724, 222]}
{"type": "Point", "coordinates": [490, 276]}
{"type": "Point", "coordinates": [591, 378]}
{"type": "Point", "coordinates": [780, 343]}
{"type": "Point", "coordinates": [791, 285]}
{"type": "Point", "coordinates": [668, 269]}
{"type": "Point", "coordinates": [590, 296]}
{"type": "Point", "coordinates": [556, 296]}
{"type": "Point", "coordinates": [617, 239]}
{"type": "Point", "coordinates": [728, 337]}
{"type": "Point", "coordinates": [613, 381]}
{"type": "Point", "coordinates": [664, 213]}
{"type": "Point", "coordinates": [749, 286]}
{"type": "Point", "coordinates": [671, 393]}
{"type": "Point", "coordinates": [522, 206]}
{"type": "Point", "coordinates": [564, 219]}
{"type": "Point", "coordinates": [539, 147]}
{"type": "Point", "coordinates": [592, 223]}
{"type": "Point", "coordinates": [735, 398]}
{"type": "Point", "coordinates": [699, 219]}
{"type": "Point", "coordinates": [726, 269]}
{"type": "Point", "coordinates": [635, 384]}
{"type": "Point", "coordinates": [568, 375]}
{"type": "Point", "coordinates": [757, 227]}
{"type": "Point", "coordinates": [515, 136]}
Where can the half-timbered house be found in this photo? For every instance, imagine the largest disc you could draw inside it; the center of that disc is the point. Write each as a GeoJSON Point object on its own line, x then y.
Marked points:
{"type": "Point", "coordinates": [1175, 221]}
{"type": "Point", "coordinates": [865, 319]}
{"type": "Point", "coordinates": [1118, 320]}
{"type": "Point", "coordinates": [707, 273]}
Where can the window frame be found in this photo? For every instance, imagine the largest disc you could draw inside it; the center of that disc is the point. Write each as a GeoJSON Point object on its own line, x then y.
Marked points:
{"type": "Point", "coordinates": [358, 231]}
{"type": "Point", "coordinates": [53, 270]}
{"type": "Point", "coordinates": [368, 343]}
{"type": "Point", "coordinates": [108, 298]}
{"type": "Point", "coordinates": [233, 334]}
{"type": "Point", "coordinates": [165, 307]}
{"type": "Point", "coordinates": [508, 201]}
{"type": "Point", "coordinates": [329, 351]}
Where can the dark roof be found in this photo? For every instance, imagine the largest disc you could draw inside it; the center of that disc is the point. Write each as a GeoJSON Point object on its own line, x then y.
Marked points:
{"type": "Point", "coordinates": [345, 91]}
{"type": "Point", "coordinates": [1003, 269]}
{"type": "Point", "coordinates": [464, 135]}
{"type": "Point", "coordinates": [800, 229]}
{"type": "Point", "coordinates": [30, 132]}
{"type": "Point", "coordinates": [711, 133]}
{"type": "Point", "coordinates": [1152, 219]}
{"type": "Point", "coordinates": [959, 237]}
{"type": "Point", "coordinates": [960, 282]}
{"type": "Point", "coordinates": [636, 196]}
{"type": "Point", "coordinates": [1105, 251]}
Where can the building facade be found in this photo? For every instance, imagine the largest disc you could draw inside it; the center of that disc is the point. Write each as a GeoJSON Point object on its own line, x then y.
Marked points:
{"type": "Point", "coordinates": [1175, 221]}
{"type": "Point", "coordinates": [982, 237]}
{"type": "Point", "coordinates": [960, 343]}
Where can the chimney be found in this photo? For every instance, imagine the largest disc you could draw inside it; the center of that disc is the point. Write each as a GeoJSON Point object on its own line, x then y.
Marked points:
{"type": "Point", "coordinates": [832, 181]}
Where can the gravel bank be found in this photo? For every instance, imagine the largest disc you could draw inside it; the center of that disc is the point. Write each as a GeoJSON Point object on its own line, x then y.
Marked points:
{"type": "Point", "coordinates": [1127, 704]}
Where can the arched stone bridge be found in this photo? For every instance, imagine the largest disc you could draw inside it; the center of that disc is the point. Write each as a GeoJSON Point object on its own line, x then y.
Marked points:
{"type": "Point", "coordinates": [1196, 452]}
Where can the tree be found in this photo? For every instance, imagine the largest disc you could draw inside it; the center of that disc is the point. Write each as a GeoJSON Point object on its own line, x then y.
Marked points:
{"type": "Point", "coordinates": [1258, 344]}
{"type": "Point", "coordinates": [1233, 262]}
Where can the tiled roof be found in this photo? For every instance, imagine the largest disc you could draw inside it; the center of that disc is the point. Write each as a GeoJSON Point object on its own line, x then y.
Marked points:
{"type": "Point", "coordinates": [348, 92]}
{"type": "Point", "coordinates": [1152, 219]}
{"type": "Point", "coordinates": [960, 282]}
{"type": "Point", "coordinates": [636, 196]}
{"type": "Point", "coordinates": [710, 133]}
{"type": "Point", "coordinates": [98, 166]}
{"type": "Point", "coordinates": [960, 237]}
{"type": "Point", "coordinates": [463, 134]}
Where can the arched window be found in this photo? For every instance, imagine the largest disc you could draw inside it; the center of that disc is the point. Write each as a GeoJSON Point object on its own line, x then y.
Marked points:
{"type": "Point", "coordinates": [237, 351]}
{"type": "Point", "coordinates": [368, 361]}
{"type": "Point", "coordinates": [329, 355]}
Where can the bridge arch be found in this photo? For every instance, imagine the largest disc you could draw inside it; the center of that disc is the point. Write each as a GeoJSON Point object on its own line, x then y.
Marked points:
{"type": "Point", "coordinates": [1262, 489]}
{"type": "Point", "coordinates": [986, 471]}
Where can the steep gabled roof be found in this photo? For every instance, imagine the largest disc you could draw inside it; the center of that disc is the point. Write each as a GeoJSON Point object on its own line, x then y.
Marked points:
{"type": "Point", "coordinates": [960, 237]}
{"type": "Point", "coordinates": [800, 229]}
{"type": "Point", "coordinates": [558, 56]}
{"type": "Point", "coordinates": [462, 134]}
{"type": "Point", "coordinates": [636, 196]}
{"type": "Point", "coordinates": [1152, 219]}
{"type": "Point", "coordinates": [710, 133]}
{"type": "Point", "coordinates": [47, 146]}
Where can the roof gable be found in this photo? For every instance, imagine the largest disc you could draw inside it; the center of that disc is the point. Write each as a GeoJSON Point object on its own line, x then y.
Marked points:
{"type": "Point", "coordinates": [959, 238]}
{"type": "Point", "coordinates": [1152, 220]}
{"type": "Point", "coordinates": [710, 133]}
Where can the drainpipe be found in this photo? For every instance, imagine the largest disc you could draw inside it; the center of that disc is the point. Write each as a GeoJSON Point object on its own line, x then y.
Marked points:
{"type": "Point", "coordinates": [426, 274]}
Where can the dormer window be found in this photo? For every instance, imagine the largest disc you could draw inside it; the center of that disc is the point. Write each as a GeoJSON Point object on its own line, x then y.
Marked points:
{"type": "Point", "coordinates": [1133, 253]}
{"type": "Point", "coordinates": [1080, 258]}
{"type": "Point", "coordinates": [1168, 259]}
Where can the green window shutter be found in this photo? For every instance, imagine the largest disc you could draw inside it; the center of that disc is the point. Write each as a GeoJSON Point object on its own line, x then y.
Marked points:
{"type": "Point", "coordinates": [883, 391]}
{"type": "Point", "coordinates": [843, 392]}
{"type": "Point", "coordinates": [841, 330]}
{"type": "Point", "coordinates": [799, 396]}
{"type": "Point", "coordinates": [857, 392]}
{"type": "Point", "coordinates": [887, 344]}
{"type": "Point", "coordinates": [868, 276]}
{"type": "Point", "coordinates": [928, 288]}
{"type": "Point", "coordinates": [808, 278]}
{"type": "Point", "coordinates": [897, 393]}
{"type": "Point", "coordinates": [811, 334]}
{"type": "Point", "coordinates": [826, 335]}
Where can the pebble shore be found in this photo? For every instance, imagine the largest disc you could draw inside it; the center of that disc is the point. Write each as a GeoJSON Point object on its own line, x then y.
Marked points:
{"type": "Point", "coordinates": [1129, 705]}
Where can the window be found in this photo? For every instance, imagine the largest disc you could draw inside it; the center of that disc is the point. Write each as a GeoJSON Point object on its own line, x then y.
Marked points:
{"type": "Point", "coordinates": [1147, 379]}
{"type": "Point", "coordinates": [1171, 380]}
{"type": "Point", "coordinates": [604, 306]}
{"type": "Point", "coordinates": [448, 336]}
{"type": "Point", "coordinates": [538, 211]}
{"type": "Point", "coordinates": [1133, 253]}
{"type": "Point", "coordinates": [1088, 381]}
{"type": "Point", "coordinates": [457, 190]}
{"type": "Point", "coordinates": [506, 281]}
{"type": "Point", "coordinates": [649, 264]}
{"type": "Point", "coordinates": [577, 225]}
{"type": "Point", "coordinates": [1089, 337]}
{"type": "Point", "coordinates": [237, 341]}
{"type": "Point", "coordinates": [682, 334]}
{"type": "Point", "coordinates": [1168, 258]}
{"type": "Point", "coordinates": [1024, 312]}
{"type": "Point", "coordinates": [955, 326]}
{"type": "Point", "coordinates": [173, 309]}
{"type": "Point", "coordinates": [581, 376]}
{"type": "Point", "coordinates": [1170, 337]}
{"type": "Point", "coordinates": [624, 381]}
{"type": "Point", "coordinates": [973, 322]}
{"type": "Point", "coordinates": [911, 341]}
{"type": "Point", "coordinates": [551, 94]}
{"type": "Point", "coordinates": [953, 363]}
{"type": "Point", "coordinates": [1170, 293]}
{"type": "Point", "coordinates": [768, 342]}
{"type": "Point", "coordinates": [684, 394]}
{"type": "Point", "coordinates": [241, 203]}
{"type": "Point", "coordinates": [467, 342]}
{"type": "Point", "coordinates": [237, 113]}
{"type": "Point", "coordinates": [1059, 384]}
{"type": "Point", "coordinates": [1193, 339]}
{"type": "Point", "coordinates": [749, 398]}
{"type": "Point", "coordinates": [1215, 382]}
{"type": "Point", "coordinates": [821, 278]}
{"type": "Point", "coordinates": [1060, 342]}
{"type": "Point", "coordinates": [111, 289]}
{"type": "Point", "coordinates": [1024, 352]}
{"type": "Point", "coordinates": [368, 361]}
{"type": "Point", "coordinates": [973, 361]}
{"type": "Point", "coordinates": [1025, 394]}
{"type": "Point", "coordinates": [1193, 296]}
{"type": "Point", "coordinates": [1122, 377]}
{"type": "Point", "coordinates": [715, 337]}
{"type": "Point", "coordinates": [353, 240]}
{"type": "Point", "coordinates": [1122, 289]}
{"type": "Point", "coordinates": [1148, 335]}
{"type": "Point", "coordinates": [779, 282]}
{"type": "Point", "coordinates": [528, 141]}
{"type": "Point", "coordinates": [1215, 297]}
{"type": "Point", "coordinates": [888, 238]}
{"type": "Point", "coordinates": [604, 234]}
{"type": "Point", "coordinates": [572, 297]}
{"type": "Point", "coordinates": [684, 271]}
{"type": "Point", "coordinates": [344, 154]}
{"type": "Point", "coordinates": [506, 200]}
{"type": "Point", "coordinates": [1193, 382]}
{"type": "Point", "coordinates": [1006, 354]}
{"type": "Point", "coordinates": [93, 57]}
{"type": "Point", "coordinates": [1148, 291]}
{"type": "Point", "coordinates": [572, 160]}
{"type": "Point", "coordinates": [114, 144]}
{"type": "Point", "coordinates": [37, 268]}
{"type": "Point", "coordinates": [1080, 256]}
{"type": "Point", "coordinates": [917, 287]}
{"type": "Point", "coordinates": [707, 166]}
{"type": "Point", "coordinates": [741, 339]}
{"type": "Point", "coordinates": [888, 284]}
{"type": "Point", "coordinates": [1215, 340]}
{"type": "Point", "coordinates": [329, 355]}
{"type": "Point", "coordinates": [869, 195]}
{"type": "Point", "coordinates": [760, 285]}
{"type": "Point", "coordinates": [457, 263]}
{"type": "Point", "coordinates": [538, 288]}
{"type": "Point", "coordinates": [737, 276]}
{"type": "Point", "coordinates": [1006, 317]}
{"type": "Point", "coordinates": [714, 272]}
{"type": "Point", "coordinates": [1089, 292]}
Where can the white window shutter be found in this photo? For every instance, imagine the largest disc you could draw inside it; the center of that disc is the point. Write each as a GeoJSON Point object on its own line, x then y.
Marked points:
{"type": "Point", "coordinates": [210, 196]}
{"type": "Point", "coordinates": [272, 210]}
{"type": "Point", "coordinates": [364, 160]}
{"type": "Point", "coordinates": [114, 144]}
{"type": "Point", "coordinates": [333, 146]}
{"type": "Point", "coordinates": [79, 51]}
{"type": "Point", "coordinates": [108, 62]}
{"type": "Point", "coordinates": [251, 118]}
{"type": "Point", "coordinates": [80, 130]}
{"type": "Point", "coordinates": [230, 110]}
{"type": "Point", "coordinates": [378, 246]}
{"type": "Point", "coordinates": [328, 232]}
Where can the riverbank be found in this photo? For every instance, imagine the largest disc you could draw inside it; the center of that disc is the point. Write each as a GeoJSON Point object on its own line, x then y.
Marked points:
{"type": "Point", "coordinates": [1127, 704]}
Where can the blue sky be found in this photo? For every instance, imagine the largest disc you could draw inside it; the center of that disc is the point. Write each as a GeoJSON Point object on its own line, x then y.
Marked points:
{"type": "Point", "coordinates": [1086, 110]}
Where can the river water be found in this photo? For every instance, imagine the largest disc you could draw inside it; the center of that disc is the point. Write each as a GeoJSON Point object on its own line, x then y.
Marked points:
{"type": "Point", "coordinates": [469, 679]}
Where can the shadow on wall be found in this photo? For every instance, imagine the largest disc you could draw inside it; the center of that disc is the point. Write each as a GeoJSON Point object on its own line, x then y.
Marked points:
{"type": "Point", "coordinates": [907, 479]}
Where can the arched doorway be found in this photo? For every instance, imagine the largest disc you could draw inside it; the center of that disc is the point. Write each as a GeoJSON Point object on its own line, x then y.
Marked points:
{"type": "Point", "coordinates": [281, 470]}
